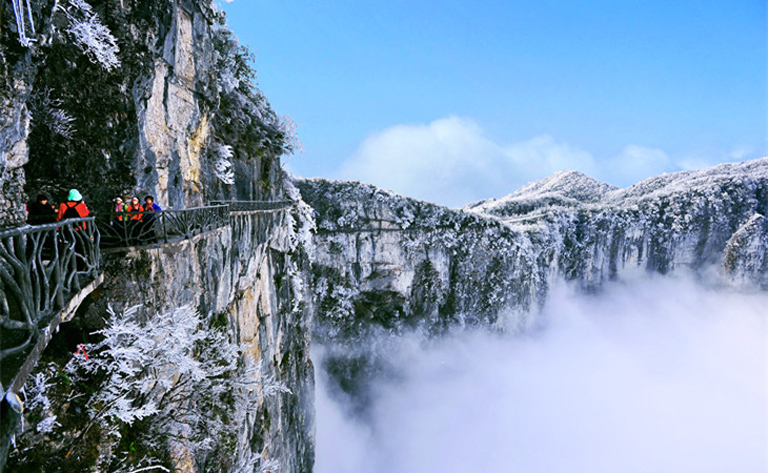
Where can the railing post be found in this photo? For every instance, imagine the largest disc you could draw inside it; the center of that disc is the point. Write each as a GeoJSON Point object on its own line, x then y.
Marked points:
{"type": "Point", "coordinates": [165, 232]}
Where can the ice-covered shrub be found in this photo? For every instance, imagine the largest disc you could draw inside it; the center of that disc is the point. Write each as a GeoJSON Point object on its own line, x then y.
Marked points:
{"type": "Point", "coordinates": [90, 34]}
{"type": "Point", "coordinates": [47, 111]}
{"type": "Point", "coordinates": [223, 168]}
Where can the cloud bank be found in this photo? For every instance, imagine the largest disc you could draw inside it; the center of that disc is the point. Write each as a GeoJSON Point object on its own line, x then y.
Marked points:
{"type": "Point", "coordinates": [451, 161]}
{"type": "Point", "coordinates": [658, 375]}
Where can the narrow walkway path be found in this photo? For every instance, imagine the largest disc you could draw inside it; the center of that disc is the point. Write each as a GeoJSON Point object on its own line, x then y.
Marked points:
{"type": "Point", "coordinates": [47, 271]}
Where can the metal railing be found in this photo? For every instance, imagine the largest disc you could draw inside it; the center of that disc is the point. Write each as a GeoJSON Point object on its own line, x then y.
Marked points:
{"type": "Point", "coordinates": [254, 205]}
{"type": "Point", "coordinates": [123, 229]}
{"type": "Point", "coordinates": [41, 268]}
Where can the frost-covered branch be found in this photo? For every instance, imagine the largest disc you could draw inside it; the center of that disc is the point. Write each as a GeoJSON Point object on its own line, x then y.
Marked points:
{"type": "Point", "coordinates": [223, 168]}
{"type": "Point", "coordinates": [47, 110]}
{"type": "Point", "coordinates": [90, 34]}
{"type": "Point", "coordinates": [192, 381]}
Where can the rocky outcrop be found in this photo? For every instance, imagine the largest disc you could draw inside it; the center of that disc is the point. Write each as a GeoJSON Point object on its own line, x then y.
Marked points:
{"type": "Point", "coordinates": [745, 259]}
{"type": "Point", "coordinates": [244, 277]}
{"type": "Point", "coordinates": [16, 78]}
{"type": "Point", "coordinates": [386, 263]}
{"type": "Point", "coordinates": [175, 115]}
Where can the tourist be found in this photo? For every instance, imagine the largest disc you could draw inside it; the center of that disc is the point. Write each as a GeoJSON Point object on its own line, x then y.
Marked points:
{"type": "Point", "coordinates": [150, 207]}
{"type": "Point", "coordinates": [135, 209]}
{"type": "Point", "coordinates": [74, 207]}
{"type": "Point", "coordinates": [136, 214]}
{"type": "Point", "coordinates": [119, 205]}
{"type": "Point", "coordinates": [40, 211]}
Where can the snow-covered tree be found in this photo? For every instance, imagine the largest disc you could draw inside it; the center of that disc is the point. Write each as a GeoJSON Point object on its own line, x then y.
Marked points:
{"type": "Point", "coordinates": [90, 34]}
{"type": "Point", "coordinates": [223, 167]}
{"type": "Point", "coordinates": [47, 110]}
{"type": "Point", "coordinates": [171, 378]}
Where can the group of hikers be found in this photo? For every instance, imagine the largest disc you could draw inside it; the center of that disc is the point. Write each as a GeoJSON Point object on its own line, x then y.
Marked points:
{"type": "Point", "coordinates": [137, 219]}
{"type": "Point", "coordinates": [135, 208]}
{"type": "Point", "coordinates": [41, 211]}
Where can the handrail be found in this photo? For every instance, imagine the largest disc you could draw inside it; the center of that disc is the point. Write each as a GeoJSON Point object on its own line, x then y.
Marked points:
{"type": "Point", "coordinates": [124, 229]}
{"type": "Point", "coordinates": [41, 268]}
{"type": "Point", "coordinates": [254, 205]}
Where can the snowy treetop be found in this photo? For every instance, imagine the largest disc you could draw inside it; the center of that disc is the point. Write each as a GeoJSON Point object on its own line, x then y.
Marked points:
{"type": "Point", "coordinates": [572, 189]}
{"type": "Point", "coordinates": [700, 180]}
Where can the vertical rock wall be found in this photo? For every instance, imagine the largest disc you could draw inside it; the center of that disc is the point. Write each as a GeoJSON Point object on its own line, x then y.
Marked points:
{"type": "Point", "coordinates": [173, 124]}
{"type": "Point", "coordinates": [249, 276]}
{"type": "Point", "coordinates": [16, 76]}
{"type": "Point", "coordinates": [14, 127]}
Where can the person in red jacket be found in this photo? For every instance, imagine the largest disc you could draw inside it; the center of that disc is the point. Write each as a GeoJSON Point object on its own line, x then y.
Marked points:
{"type": "Point", "coordinates": [135, 216]}
{"type": "Point", "coordinates": [135, 208]}
{"type": "Point", "coordinates": [74, 207]}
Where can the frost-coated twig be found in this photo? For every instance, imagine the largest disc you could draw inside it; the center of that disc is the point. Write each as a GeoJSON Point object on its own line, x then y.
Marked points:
{"type": "Point", "coordinates": [147, 468]}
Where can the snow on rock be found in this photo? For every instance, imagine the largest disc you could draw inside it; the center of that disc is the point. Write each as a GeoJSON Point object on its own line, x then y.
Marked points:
{"type": "Point", "coordinates": [568, 188]}
{"type": "Point", "coordinates": [388, 261]}
{"type": "Point", "coordinates": [383, 263]}
{"type": "Point", "coordinates": [746, 254]}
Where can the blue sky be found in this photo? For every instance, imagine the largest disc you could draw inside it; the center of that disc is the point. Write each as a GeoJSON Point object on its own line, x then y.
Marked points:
{"type": "Point", "coordinates": [481, 97]}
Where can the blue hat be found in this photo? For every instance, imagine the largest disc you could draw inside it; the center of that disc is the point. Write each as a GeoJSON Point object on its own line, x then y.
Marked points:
{"type": "Point", "coordinates": [74, 195]}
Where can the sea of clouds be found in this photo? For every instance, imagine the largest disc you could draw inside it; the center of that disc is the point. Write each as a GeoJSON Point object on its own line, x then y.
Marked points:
{"type": "Point", "coordinates": [653, 375]}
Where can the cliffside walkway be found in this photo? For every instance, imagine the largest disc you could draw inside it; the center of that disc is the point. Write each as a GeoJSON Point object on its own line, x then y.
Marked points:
{"type": "Point", "coordinates": [125, 229]}
{"type": "Point", "coordinates": [46, 272]}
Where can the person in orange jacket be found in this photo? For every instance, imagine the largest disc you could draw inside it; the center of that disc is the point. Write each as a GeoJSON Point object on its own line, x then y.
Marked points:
{"type": "Point", "coordinates": [135, 216]}
{"type": "Point", "coordinates": [74, 207]}
{"type": "Point", "coordinates": [135, 208]}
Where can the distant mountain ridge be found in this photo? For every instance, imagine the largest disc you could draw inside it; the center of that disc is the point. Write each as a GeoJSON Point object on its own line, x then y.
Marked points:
{"type": "Point", "coordinates": [384, 263]}
{"type": "Point", "coordinates": [501, 255]}
{"type": "Point", "coordinates": [572, 188]}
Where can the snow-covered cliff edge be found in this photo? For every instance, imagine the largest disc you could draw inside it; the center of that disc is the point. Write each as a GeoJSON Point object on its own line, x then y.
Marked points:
{"type": "Point", "coordinates": [385, 263]}
{"type": "Point", "coordinates": [397, 261]}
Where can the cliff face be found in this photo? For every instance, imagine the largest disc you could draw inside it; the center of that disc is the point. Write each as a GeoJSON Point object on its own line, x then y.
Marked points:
{"type": "Point", "coordinates": [424, 264]}
{"type": "Point", "coordinates": [385, 263]}
{"type": "Point", "coordinates": [171, 110]}
{"type": "Point", "coordinates": [248, 277]}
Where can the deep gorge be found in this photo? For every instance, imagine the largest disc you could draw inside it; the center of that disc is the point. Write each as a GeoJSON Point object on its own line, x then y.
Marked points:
{"type": "Point", "coordinates": [346, 264]}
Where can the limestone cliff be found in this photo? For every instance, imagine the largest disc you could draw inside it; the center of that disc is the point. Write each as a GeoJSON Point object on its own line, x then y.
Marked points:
{"type": "Point", "coordinates": [395, 261]}
{"type": "Point", "coordinates": [386, 264]}
{"type": "Point", "coordinates": [171, 111]}
{"type": "Point", "coordinates": [175, 114]}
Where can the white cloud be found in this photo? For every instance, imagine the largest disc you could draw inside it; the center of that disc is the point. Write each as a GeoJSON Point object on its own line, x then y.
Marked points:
{"type": "Point", "coordinates": [634, 164]}
{"type": "Point", "coordinates": [453, 162]}
{"type": "Point", "coordinates": [444, 161]}
{"type": "Point", "coordinates": [656, 375]}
